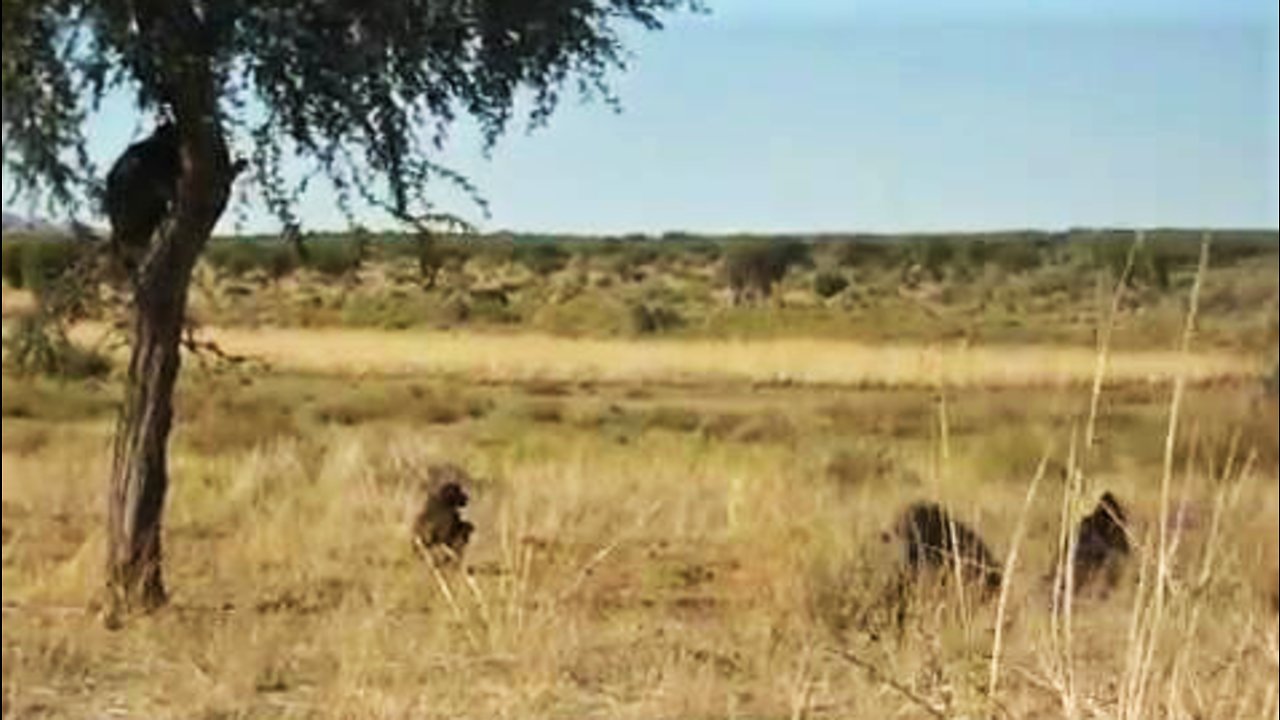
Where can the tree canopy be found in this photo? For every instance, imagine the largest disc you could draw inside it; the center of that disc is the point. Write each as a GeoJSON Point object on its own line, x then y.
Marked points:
{"type": "Point", "coordinates": [365, 91]}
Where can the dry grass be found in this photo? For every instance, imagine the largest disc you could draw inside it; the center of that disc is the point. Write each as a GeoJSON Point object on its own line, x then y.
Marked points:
{"type": "Point", "coordinates": [526, 357]}
{"type": "Point", "coordinates": [16, 302]}
{"type": "Point", "coordinates": [659, 572]}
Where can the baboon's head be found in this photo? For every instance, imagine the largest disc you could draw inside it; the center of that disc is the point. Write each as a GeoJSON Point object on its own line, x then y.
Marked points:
{"type": "Point", "coordinates": [1111, 505]}
{"type": "Point", "coordinates": [994, 579]}
{"type": "Point", "coordinates": [166, 133]}
{"type": "Point", "coordinates": [452, 495]}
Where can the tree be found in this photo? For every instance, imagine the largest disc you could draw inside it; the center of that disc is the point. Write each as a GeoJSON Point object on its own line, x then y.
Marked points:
{"type": "Point", "coordinates": [364, 91]}
{"type": "Point", "coordinates": [753, 268]}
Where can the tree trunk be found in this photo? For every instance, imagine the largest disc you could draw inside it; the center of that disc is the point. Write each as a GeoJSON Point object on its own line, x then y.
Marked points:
{"type": "Point", "coordinates": [173, 33]}
{"type": "Point", "coordinates": [139, 474]}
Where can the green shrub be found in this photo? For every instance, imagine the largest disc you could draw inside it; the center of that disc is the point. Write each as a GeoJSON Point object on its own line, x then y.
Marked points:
{"type": "Point", "coordinates": [237, 258]}
{"type": "Point", "coordinates": [282, 262]}
{"type": "Point", "coordinates": [233, 257]}
{"type": "Point", "coordinates": [434, 255]}
{"type": "Point", "coordinates": [12, 264]}
{"type": "Point", "coordinates": [1153, 263]}
{"type": "Point", "coordinates": [756, 267]}
{"type": "Point", "coordinates": [865, 253]}
{"type": "Point", "coordinates": [829, 284]}
{"type": "Point", "coordinates": [1015, 256]}
{"type": "Point", "coordinates": [653, 319]}
{"type": "Point", "coordinates": [631, 258]}
{"type": "Point", "coordinates": [542, 258]}
{"type": "Point", "coordinates": [490, 305]}
{"type": "Point", "coordinates": [41, 262]}
{"type": "Point", "coordinates": [335, 257]}
{"type": "Point", "coordinates": [37, 346]}
{"type": "Point", "coordinates": [935, 255]}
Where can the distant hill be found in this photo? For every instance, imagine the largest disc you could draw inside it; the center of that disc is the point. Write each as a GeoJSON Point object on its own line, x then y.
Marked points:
{"type": "Point", "coordinates": [14, 222]}
{"type": "Point", "coordinates": [17, 223]}
{"type": "Point", "coordinates": [18, 226]}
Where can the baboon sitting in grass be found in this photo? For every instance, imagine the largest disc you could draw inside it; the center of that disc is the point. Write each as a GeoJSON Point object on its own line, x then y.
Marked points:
{"type": "Point", "coordinates": [439, 532]}
{"type": "Point", "coordinates": [1101, 546]}
{"type": "Point", "coordinates": [933, 541]}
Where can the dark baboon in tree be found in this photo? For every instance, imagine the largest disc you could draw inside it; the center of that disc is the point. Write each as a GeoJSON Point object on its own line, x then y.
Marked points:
{"type": "Point", "coordinates": [439, 531]}
{"type": "Point", "coordinates": [1102, 545]}
{"type": "Point", "coordinates": [141, 189]}
{"type": "Point", "coordinates": [932, 540]}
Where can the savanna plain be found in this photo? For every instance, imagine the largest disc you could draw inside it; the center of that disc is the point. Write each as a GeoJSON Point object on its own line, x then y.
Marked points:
{"type": "Point", "coordinates": [686, 458]}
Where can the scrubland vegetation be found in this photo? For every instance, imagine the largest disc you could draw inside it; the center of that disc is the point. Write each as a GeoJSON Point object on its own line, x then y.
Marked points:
{"type": "Point", "coordinates": [983, 289]}
{"type": "Point", "coordinates": [680, 501]}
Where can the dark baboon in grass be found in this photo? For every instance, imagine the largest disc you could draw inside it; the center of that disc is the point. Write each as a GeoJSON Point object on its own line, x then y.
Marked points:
{"type": "Point", "coordinates": [439, 532]}
{"type": "Point", "coordinates": [933, 540]}
{"type": "Point", "coordinates": [141, 189]}
{"type": "Point", "coordinates": [1101, 546]}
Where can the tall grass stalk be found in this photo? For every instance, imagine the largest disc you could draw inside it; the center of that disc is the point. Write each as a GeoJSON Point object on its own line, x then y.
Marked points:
{"type": "Point", "coordinates": [993, 675]}
{"type": "Point", "coordinates": [1150, 613]}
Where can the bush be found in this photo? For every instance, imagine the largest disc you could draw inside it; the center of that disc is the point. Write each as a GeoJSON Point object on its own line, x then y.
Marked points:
{"type": "Point", "coordinates": [629, 261]}
{"type": "Point", "coordinates": [490, 306]}
{"type": "Point", "coordinates": [237, 258]}
{"type": "Point", "coordinates": [335, 257]}
{"type": "Point", "coordinates": [935, 254]}
{"type": "Point", "coordinates": [653, 319]}
{"type": "Point", "coordinates": [36, 264]}
{"type": "Point", "coordinates": [37, 346]}
{"type": "Point", "coordinates": [756, 267]}
{"type": "Point", "coordinates": [864, 253]}
{"type": "Point", "coordinates": [12, 264]}
{"type": "Point", "coordinates": [282, 262]}
{"type": "Point", "coordinates": [1015, 256]}
{"type": "Point", "coordinates": [542, 258]}
{"type": "Point", "coordinates": [1153, 264]}
{"type": "Point", "coordinates": [234, 258]}
{"type": "Point", "coordinates": [829, 284]}
{"type": "Point", "coordinates": [433, 255]}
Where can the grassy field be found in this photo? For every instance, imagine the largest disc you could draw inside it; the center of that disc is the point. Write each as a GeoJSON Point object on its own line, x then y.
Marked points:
{"type": "Point", "coordinates": [674, 527]}
{"type": "Point", "coordinates": [505, 358]}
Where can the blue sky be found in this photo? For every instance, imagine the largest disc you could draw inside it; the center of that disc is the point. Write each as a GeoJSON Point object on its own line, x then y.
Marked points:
{"type": "Point", "coordinates": [813, 115]}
